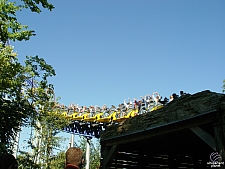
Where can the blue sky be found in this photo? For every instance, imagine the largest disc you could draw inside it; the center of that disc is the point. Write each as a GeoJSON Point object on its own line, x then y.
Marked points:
{"type": "Point", "coordinates": [107, 51]}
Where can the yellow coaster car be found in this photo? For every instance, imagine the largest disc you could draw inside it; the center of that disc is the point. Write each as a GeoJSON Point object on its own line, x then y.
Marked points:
{"type": "Point", "coordinates": [59, 112]}
{"type": "Point", "coordinates": [106, 117]}
{"type": "Point", "coordinates": [121, 115]}
{"type": "Point", "coordinates": [72, 114]}
{"type": "Point", "coordinates": [55, 113]}
{"type": "Point", "coordinates": [80, 116]}
{"type": "Point", "coordinates": [92, 117]}
{"type": "Point", "coordinates": [156, 108]}
{"type": "Point", "coordinates": [64, 114]}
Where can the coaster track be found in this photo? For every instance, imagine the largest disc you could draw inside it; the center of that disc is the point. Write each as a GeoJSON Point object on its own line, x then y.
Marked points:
{"type": "Point", "coordinates": [91, 121]}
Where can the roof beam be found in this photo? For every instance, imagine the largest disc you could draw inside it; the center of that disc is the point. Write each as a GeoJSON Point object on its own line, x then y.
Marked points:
{"type": "Point", "coordinates": [205, 136]}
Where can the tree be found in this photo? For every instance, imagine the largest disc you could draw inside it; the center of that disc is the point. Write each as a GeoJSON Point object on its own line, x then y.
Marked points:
{"type": "Point", "coordinates": [94, 152]}
{"type": "Point", "coordinates": [58, 161]}
{"type": "Point", "coordinates": [10, 28]}
{"type": "Point", "coordinates": [223, 86]}
{"type": "Point", "coordinates": [47, 142]}
{"type": "Point", "coordinates": [25, 94]}
{"type": "Point", "coordinates": [25, 161]}
{"type": "Point", "coordinates": [18, 102]}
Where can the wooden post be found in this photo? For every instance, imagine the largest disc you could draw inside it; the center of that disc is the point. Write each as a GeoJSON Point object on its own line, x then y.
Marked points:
{"type": "Point", "coordinates": [108, 154]}
{"type": "Point", "coordinates": [219, 130]}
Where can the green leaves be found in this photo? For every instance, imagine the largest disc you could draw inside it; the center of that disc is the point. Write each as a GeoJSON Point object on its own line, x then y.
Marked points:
{"type": "Point", "coordinates": [25, 94]}
{"type": "Point", "coordinates": [33, 5]}
{"type": "Point", "coordinates": [223, 86]}
{"type": "Point", "coordinates": [10, 28]}
{"type": "Point", "coordinates": [20, 102]}
{"type": "Point", "coordinates": [26, 161]}
{"type": "Point", "coordinates": [94, 151]}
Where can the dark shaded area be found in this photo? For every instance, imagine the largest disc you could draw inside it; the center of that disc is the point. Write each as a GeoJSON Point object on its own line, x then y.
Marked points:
{"type": "Point", "coordinates": [166, 138]}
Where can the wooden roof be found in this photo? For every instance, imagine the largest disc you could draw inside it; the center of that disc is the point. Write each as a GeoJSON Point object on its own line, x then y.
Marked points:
{"type": "Point", "coordinates": [180, 110]}
{"type": "Point", "coordinates": [182, 134]}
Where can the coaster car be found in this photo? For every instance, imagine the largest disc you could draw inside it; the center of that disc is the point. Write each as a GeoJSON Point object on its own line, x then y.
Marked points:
{"type": "Point", "coordinates": [92, 116]}
{"type": "Point", "coordinates": [72, 114]}
{"type": "Point", "coordinates": [123, 115]}
{"type": "Point", "coordinates": [156, 108]}
{"type": "Point", "coordinates": [80, 116]}
{"type": "Point", "coordinates": [63, 114]}
{"type": "Point", "coordinates": [59, 112]}
{"type": "Point", "coordinates": [159, 102]}
{"type": "Point", "coordinates": [107, 116]}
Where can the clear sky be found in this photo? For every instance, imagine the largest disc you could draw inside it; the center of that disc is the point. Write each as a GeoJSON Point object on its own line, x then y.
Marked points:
{"type": "Point", "coordinates": [107, 51]}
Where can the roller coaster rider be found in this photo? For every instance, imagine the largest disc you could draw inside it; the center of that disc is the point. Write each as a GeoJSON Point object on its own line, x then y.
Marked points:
{"type": "Point", "coordinates": [92, 111]}
{"type": "Point", "coordinates": [71, 109]}
{"type": "Point", "coordinates": [164, 101]}
{"type": "Point", "coordinates": [156, 98]}
{"type": "Point", "coordinates": [112, 109]}
{"type": "Point", "coordinates": [123, 110]}
{"type": "Point", "coordinates": [135, 103]}
{"type": "Point", "coordinates": [80, 110]}
{"type": "Point", "coordinates": [86, 123]}
{"type": "Point", "coordinates": [106, 110]}
{"type": "Point", "coordinates": [120, 109]}
{"type": "Point", "coordinates": [142, 106]}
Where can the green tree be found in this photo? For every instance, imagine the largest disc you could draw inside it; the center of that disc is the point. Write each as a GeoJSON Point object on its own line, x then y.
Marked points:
{"type": "Point", "coordinates": [50, 126]}
{"type": "Point", "coordinates": [94, 151]}
{"type": "Point", "coordinates": [223, 86]}
{"type": "Point", "coordinates": [18, 102]}
{"type": "Point", "coordinates": [23, 104]}
{"type": "Point", "coordinates": [10, 28]}
{"type": "Point", "coordinates": [25, 161]}
{"type": "Point", "coordinates": [47, 142]}
{"type": "Point", "coordinates": [58, 161]}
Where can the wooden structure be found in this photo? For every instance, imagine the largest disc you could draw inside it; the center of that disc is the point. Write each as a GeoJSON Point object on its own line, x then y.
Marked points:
{"type": "Point", "coordinates": [186, 133]}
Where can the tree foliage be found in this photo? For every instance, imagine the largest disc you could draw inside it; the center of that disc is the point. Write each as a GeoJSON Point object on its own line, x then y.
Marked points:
{"type": "Point", "coordinates": [33, 5]}
{"type": "Point", "coordinates": [18, 100]}
{"type": "Point", "coordinates": [223, 86]}
{"type": "Point", "coordinates": [26, 161]}
{"type": "Point", "coordinates": [26, 95]}
{"type": "Point", "coordinates": [94, 152]}
{"type": "Point", "coordinates": [10, 27]}
{"type": "Point", "coordinates": [45, 143]}
{"type": "Point", "coordinates": [58, 161]}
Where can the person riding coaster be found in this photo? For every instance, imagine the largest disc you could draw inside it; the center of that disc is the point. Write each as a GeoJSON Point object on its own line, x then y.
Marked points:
{"type": "Point", "coordinates": [82, 112]}
{"type": "Point", "coordinates": [106, 112]}
{"type": "Point", "coordinates": [93, 115]}
{"type": "Point", "coordinates": [142, 109]}
{"type": "Point", "coordinates": [124, 113]}
{"type": "Point", "coordinates": [121, 111]}
{"type": "Point", "coordinates": [58, 110]}
{"type": "Point", "coordinates": [108, 115]}
{"type": "Point", "coordinates": [158, 103]}
{"type": "Point", "coordinates": [71, 111]}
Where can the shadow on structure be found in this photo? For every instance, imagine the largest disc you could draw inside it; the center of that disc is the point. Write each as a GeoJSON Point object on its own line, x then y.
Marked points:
{"type": "Point", "coordinates": [183, 134]}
